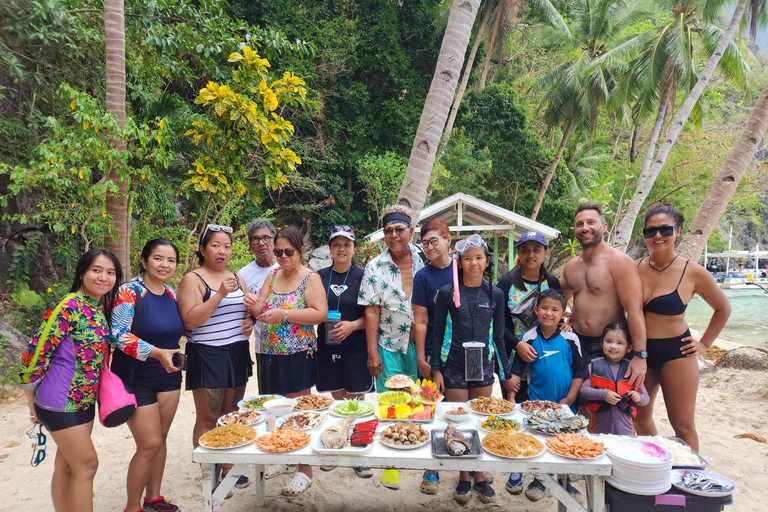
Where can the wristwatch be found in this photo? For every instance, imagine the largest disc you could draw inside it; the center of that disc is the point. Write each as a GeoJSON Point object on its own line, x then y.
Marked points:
{"type": "Point", "coordinates": [640, 353]}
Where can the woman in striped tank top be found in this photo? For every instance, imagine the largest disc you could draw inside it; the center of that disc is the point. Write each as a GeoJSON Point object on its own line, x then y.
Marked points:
{"type": "Point", "coordinates": [210, 300]}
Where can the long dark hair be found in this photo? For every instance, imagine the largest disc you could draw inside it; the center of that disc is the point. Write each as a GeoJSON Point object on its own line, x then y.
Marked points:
{"type": "Point", "coordinates": [150, 246]}
{"type": "Point", "coordinates": [517, 277]}
{"type": "Point", "coordinates": [84, 263]}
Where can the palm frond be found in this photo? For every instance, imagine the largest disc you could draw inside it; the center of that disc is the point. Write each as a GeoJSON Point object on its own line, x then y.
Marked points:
{"type": "Point", "coordinates": [732, 64]}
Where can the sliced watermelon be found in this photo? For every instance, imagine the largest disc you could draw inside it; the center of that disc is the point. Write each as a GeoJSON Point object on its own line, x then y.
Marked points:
{"type": "Point", "coordinates": [426, 414]}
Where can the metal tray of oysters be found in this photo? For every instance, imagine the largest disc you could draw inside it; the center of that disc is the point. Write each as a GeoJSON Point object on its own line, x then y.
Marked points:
{"type": "Point", "coordinates": [471, 450]}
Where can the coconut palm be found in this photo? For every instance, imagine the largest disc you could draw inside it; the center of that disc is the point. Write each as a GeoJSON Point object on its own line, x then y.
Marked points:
{"type": "Point", "coordinates": [577, 88]}
{"type": "Point", "coordinates": [739, 160]}
{"type": "Point", "coordinates": [666, 65]}
{"type": "Point", "coordinates": [413, 192]}
{"type": "Point", "coordinates": [497, 16]}
{"type": "Point", "coordinates": [117, 204]}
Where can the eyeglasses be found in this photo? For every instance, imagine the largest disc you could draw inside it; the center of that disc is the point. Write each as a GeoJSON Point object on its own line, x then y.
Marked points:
{"type": "Point", "coordinates": [432, 241]}
{"type": "Point", "coordinates": [663, 230]}
{"type": "Point", "coordinates": [38, 448]}
{"type": "Point", "coordinates": [215, 228]}
{"type": "Point", "coordinates": [399, 230]}
{"type": "Point", "coordinates": [288, 252]}
{"type": "Point", "coordinates": [261, 240]}
{"type": "Point", "coordinates": [473, 242]}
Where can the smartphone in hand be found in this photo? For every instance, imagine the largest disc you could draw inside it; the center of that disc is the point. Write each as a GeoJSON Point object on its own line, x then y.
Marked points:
{"type": "Point", "coordinates": [179, 361]}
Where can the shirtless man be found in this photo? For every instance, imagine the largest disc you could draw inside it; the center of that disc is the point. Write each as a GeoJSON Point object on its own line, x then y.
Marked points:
{"type": "Point", "coordinates": [604, 284]}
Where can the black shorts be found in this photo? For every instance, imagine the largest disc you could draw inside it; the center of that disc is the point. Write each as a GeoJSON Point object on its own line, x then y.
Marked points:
{"type": "Point", "coordinates": [591, 347]}
{"type": "Point", "coordinates": [453, 379]}
{"type": "Point", "coordinates": [343, 372]}
{"type": "Point", "coordinates": [281, 375]}
{"type": "Point", "coordinates": [218, 367]}
{"type": "Point", "coordinates": [146, 390]}
{"type": "Point", "coordinates": [661, 350]}
{"type": "Point", "coordinates": [55, 420]}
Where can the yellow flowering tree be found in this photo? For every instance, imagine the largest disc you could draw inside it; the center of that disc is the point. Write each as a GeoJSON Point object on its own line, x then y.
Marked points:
{"type": "Point", "coordinates": [243, 138]}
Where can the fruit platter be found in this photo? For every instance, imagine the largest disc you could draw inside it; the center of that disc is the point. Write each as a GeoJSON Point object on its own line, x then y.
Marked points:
{"type": "Point", "coordinates": [399, 405]}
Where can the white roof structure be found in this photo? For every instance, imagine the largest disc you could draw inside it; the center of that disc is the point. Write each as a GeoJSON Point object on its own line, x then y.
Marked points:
{"type": "Point", "coordinates": [467, 214]}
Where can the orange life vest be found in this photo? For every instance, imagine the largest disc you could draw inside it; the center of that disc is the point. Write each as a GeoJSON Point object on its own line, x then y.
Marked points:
{"type": "Point", "coordinates": [602, 378]}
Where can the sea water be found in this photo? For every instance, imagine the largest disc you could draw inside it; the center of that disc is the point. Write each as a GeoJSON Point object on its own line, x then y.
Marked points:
{"type": "Point", "coordinates": [748, 323]}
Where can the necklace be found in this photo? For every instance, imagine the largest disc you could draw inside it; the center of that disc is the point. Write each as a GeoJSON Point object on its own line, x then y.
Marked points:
{"type": "Point", "coordinates": [660, 270]}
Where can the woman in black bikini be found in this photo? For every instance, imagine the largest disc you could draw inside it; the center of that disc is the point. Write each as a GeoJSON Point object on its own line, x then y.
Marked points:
{"type": "Point", "coordinates": [671, 360]}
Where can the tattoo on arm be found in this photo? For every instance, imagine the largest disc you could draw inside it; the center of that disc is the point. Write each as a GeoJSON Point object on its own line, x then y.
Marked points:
{"type": "Point", "coordinates": [215, 401]}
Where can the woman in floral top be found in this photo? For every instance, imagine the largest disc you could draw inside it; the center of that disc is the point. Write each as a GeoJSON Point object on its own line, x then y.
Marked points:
{"type": "Point", "coordinates": [60, 375]}
{"type": "Point", "coordinates": [291, 302]}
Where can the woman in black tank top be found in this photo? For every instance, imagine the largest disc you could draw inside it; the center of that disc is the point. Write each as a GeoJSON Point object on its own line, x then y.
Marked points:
{"type": "Point", "coordinates": [672, 350]}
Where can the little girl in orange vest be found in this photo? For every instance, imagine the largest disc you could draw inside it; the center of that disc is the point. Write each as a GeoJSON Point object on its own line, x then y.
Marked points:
{"type": "Point", "coordinates": [612, 402]}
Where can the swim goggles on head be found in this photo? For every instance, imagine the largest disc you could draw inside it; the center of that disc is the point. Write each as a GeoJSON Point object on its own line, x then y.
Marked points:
{"type": "Point", "coordinates": [472, 242]}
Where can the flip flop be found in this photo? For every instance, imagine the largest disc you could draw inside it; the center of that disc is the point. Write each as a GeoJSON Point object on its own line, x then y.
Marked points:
{"type": "Point", "coordinates": [274, 470]}
{"type": "Point", "coordinates": [390, 479]}
{"type": "Point", "coordinates": [298, 485]}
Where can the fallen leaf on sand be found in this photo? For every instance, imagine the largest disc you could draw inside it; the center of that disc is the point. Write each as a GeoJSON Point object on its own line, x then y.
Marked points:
{"type": "Point", "coordinates": [754, 437]}
{"type": "Point", "coordinates": [3, 456]}
{"type": "Point", "coordinates": [11, 444]}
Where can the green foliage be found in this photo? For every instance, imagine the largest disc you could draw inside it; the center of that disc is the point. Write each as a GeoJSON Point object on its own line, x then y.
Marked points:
{"type": "Point", "coordinates": [74, 159]}
{"type": "Point", "coordinates": [463, 167]}
{"type": "Point", "coordinates": [381, 175]}
{"type": "Point", "coordinates": [23, 255]}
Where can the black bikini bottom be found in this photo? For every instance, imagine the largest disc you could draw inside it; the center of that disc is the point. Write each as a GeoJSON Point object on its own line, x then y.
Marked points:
{"type": "Point", "coordinates": [661, 350]}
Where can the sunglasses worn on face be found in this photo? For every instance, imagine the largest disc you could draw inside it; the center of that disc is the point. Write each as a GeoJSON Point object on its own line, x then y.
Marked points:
{"type": "Point", "coordinates": [288, 252]}
{"type": "Point", "coordinates": [261, 240]}
{"type": "Point", "coordinates": [664, 230]}
{"type": "Point", "coordinates": [38, 448]}
{"type": "Point", "coordinates": [432, 241]}
{"type": "Point", "coordinates": [399, 230]}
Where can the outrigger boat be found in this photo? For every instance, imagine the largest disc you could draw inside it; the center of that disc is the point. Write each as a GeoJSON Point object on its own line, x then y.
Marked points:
{"type": "Point", "coordinates": [740, 282]}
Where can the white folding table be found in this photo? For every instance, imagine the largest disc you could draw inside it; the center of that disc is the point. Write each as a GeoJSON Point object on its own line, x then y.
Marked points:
{"type": "Point", "coordinates": [380, 456]}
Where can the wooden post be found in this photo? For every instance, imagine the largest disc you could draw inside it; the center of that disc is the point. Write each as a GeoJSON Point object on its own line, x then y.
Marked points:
{"type": "Point", "coordinates": [511, 256]}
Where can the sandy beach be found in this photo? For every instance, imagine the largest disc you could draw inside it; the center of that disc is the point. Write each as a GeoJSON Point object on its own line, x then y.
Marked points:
{"type": "Point", "coordinates": [730, 402]}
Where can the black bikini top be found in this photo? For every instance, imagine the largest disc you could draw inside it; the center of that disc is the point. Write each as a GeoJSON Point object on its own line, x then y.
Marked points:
{"type": "Point", "coordinates": [670, 304]}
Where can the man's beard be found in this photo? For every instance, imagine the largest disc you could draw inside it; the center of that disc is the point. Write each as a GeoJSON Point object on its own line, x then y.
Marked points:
{"type": "Point", "coordinates": [596, 239]}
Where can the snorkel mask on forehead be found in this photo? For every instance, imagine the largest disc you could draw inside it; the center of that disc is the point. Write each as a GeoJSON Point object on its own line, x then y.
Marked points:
{"type": "Point", "coordinates": [474, 241]}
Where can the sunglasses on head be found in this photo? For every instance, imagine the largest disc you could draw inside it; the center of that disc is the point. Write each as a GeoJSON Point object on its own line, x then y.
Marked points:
{"type": "Point", "coordinates": [38, 448]}
{"type": "Point", "coordinates": [215, 228]}
{"type": "Point", "coordinates": [288, 252]}
{"type": "Point", "coordinates": [399, 230]}
{"type": "Point", "coordinates": [663, 230]}
{"type": "Point", "coordinates": [344, 228]}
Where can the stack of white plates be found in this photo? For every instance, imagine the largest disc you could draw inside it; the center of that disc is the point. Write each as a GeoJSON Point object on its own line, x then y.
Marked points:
{"type": "Point", "coordinates": [639, 467]}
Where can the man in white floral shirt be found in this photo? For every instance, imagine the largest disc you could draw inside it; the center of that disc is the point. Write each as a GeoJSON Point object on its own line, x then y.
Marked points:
{"type": "Point", "coordinates": [386, 294]}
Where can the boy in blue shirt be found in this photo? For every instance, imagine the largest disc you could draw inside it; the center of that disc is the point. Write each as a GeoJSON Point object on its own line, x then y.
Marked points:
{"type": "Point", "coordinates": [558, 370]}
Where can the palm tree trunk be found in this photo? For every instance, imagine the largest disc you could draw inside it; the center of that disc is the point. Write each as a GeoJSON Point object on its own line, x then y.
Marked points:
{"type": "Point", "coordinates": [548, 177]}
{"type": "Point", "coordinates": [117, 204]}
{"type": "Point", "coordinates": [731, 172]}
{"type": "Point", "coordinates": [413, 192]}
{"type": "Point", "coordinates": [646, 180]}
{"type": "Point", "coordinates": [489, 53]}
{"type": "Point", "coordinates": [754, 10]}
{"type": "Point", "coordinates": [467, 73]}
